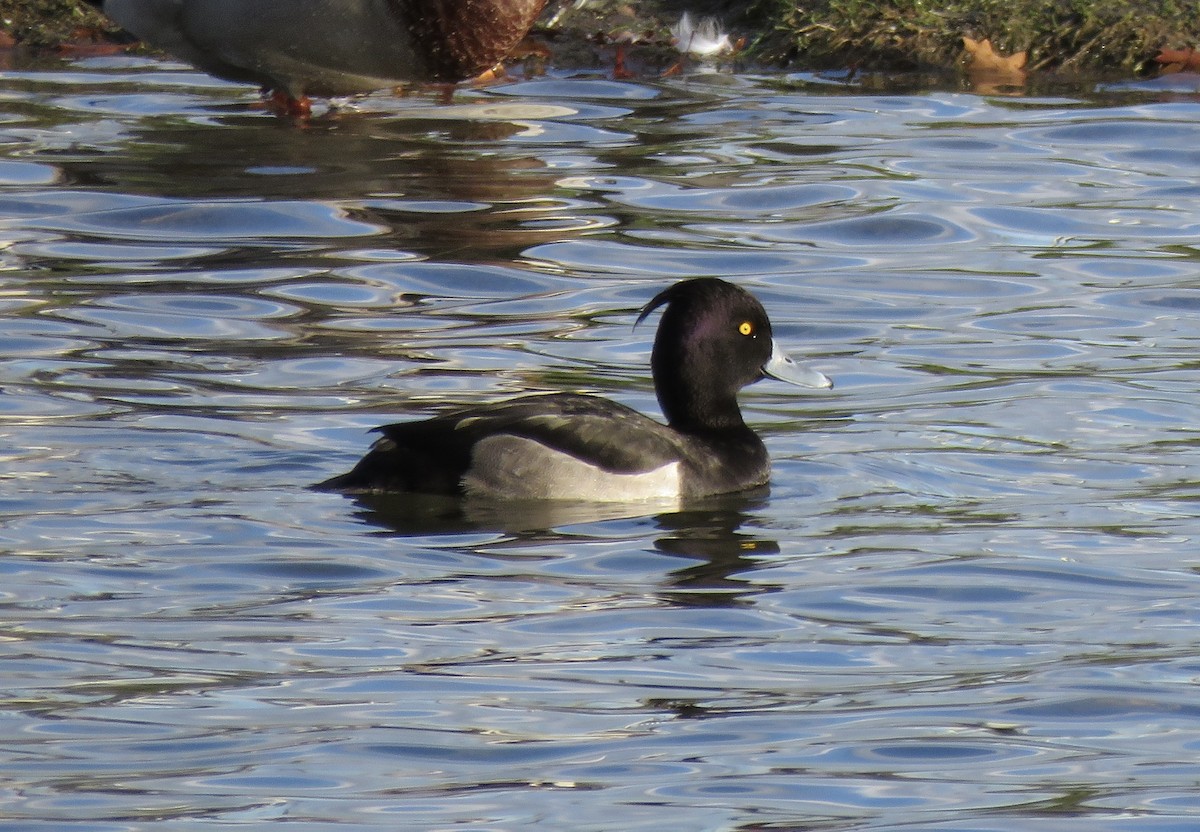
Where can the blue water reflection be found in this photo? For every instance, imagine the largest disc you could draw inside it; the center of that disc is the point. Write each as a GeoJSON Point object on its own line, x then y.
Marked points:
{"type": "Point", "coordinates": [966, 602]}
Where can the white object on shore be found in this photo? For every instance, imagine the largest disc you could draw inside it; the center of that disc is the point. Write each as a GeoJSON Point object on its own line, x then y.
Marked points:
{"type": "Point", "coordinates": [704, 39]}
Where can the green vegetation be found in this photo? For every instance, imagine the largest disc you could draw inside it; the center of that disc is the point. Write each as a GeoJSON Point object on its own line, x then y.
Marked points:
{"type": "Point", "coordinates": [50, 23]}
{"type": "Point", "coordinates": [1065, 35]}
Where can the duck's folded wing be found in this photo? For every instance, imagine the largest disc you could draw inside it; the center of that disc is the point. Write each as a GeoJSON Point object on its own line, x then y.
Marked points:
{"type": "Point", "coordinates": [594, 430]}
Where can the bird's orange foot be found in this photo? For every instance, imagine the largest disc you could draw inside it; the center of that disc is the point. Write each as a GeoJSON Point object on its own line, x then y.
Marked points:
{"type": "Point", "coordinates": [280, 103]}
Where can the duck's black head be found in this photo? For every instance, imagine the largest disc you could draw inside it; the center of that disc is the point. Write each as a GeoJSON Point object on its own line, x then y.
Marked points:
{"type": "Point", "coordinates": [713, 340]}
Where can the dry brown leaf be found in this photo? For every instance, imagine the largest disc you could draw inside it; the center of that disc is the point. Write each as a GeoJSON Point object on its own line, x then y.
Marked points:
{"type": "Point", "coordinates": [990, 72]}
{"type": "Point", "coordinates": [1179, 60]}
{"type": "Point", "coordinates": [985, 58]}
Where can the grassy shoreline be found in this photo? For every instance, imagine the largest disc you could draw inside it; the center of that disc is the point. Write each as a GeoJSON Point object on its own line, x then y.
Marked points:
{"type": "Point", "coordinates": [1064, 36]}
{"type": "Point", "coordinates": [1059, 35]}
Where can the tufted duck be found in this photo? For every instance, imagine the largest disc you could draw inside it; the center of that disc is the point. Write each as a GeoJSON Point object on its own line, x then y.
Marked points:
{"type": "Point", "coordinates": [713, 340]}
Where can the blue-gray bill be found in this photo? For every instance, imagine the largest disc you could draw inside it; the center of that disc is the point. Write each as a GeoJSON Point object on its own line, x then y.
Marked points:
{"type": "Point", "coordinates": [780, 366]}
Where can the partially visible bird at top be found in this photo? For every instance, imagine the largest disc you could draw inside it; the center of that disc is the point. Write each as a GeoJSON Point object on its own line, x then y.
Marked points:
{"type": "Point", "coordinates": [328, 48]}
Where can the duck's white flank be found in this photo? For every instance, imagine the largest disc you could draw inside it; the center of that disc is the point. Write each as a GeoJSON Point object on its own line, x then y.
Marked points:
{"type": "Point", "coordinates": [514, 467]}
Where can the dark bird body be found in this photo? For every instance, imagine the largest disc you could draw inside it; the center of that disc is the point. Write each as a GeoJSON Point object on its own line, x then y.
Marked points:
{"type": "Point", "coordinates": [300, 48]}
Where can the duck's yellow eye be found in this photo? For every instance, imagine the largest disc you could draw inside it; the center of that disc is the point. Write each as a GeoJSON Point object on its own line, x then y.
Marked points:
{"type": "Point", "coordinates": [746, 328]}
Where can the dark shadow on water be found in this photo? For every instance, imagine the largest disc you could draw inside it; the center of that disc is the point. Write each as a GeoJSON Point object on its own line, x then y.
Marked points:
{"type": "Point", "coordinates": [436, 187]}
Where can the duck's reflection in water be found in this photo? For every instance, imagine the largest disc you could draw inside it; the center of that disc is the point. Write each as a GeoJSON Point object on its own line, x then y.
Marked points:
{"type": "Point", "coordinates": [716, 535]}
{"type": "Point", "coordinates": [719, 536]}
{"type": "Point", "coordinates": [436, 514]}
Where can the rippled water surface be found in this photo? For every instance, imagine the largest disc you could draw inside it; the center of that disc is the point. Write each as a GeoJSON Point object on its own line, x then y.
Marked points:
{"type": "Point", "coordinates": [970, 601]}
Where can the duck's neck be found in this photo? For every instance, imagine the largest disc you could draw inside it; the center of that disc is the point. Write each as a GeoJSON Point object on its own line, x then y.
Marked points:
{"type": "Point", "coordinates": [701, 411]}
